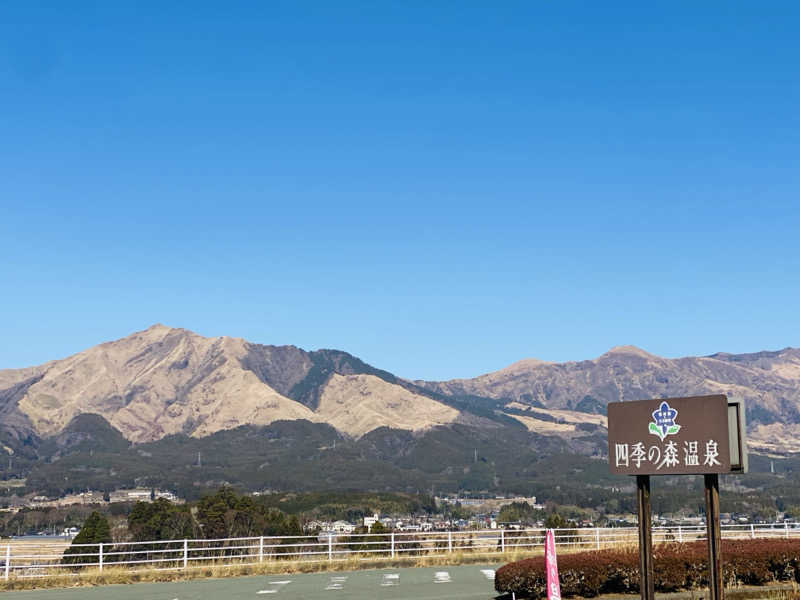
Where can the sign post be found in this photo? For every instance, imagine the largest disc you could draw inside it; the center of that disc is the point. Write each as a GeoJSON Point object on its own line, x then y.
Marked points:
{"type": "Point", "coordinates": [714, 535]}
{"type": "Point", "coordinates": [645, 537]}
{"type": "Point", "coordinates": [701, 435]}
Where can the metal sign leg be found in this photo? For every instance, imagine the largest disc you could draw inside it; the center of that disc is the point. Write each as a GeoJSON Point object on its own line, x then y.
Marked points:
{"type": "Point", "coordinates": [714, 537]}
{"type": "Point", "coordinates": [646, 584]}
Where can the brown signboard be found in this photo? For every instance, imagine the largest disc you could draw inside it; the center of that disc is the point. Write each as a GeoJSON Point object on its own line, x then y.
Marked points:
{"type": "Point", "coordinates": [669, 436]}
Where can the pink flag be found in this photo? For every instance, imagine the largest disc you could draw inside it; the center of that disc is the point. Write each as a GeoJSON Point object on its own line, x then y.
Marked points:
{"type": "Point", "coordinates": [551, 566]}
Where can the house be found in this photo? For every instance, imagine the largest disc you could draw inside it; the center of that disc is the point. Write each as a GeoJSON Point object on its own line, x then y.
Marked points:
{"type": "Point", "coordinates": [141, 495]}
{"type": "Point", "coordinates": [370, 521]}
{"type": "Point", "coordinates": [343, 527]}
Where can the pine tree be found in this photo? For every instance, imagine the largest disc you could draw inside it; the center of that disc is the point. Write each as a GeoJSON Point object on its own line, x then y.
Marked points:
{"type": "Point", "coordinates": [95, 530]}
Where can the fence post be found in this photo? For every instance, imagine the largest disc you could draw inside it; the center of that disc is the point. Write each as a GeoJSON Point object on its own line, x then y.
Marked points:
{"type": "Point", "coordinates": [261, 549]}
{"type": "Point", "coordinates": [680, 534]}
{"type": "Point", "coordinates": [8, 561]}
{"type": "Point", "coordinates": [752, 531]}
{"type": "Point", "coordinates": [393, 544]}
{"type": "Point", "coordinates": [449, 541]}
{"type": "Point", "coordinates": [597, 538]}
{"type": "Point", "coordinates": [185, 553]}
{"type": "Point", "coordinates": [100, 556]}
{"type": "Point", "coordinates": [330, 546]}
{"type": "Point", "coordinates": [503, 541]}
{"type": "Point", "coordinates": [786, 529]}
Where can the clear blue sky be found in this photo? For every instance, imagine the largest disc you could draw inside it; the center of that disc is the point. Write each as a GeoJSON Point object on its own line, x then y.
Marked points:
{"type": "Point", "coordinates": [440, 188]}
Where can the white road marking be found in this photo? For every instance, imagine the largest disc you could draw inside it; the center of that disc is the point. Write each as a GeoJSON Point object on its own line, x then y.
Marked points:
{"type": "Point", "coordinates": [390, 579]}
{"type": "Point", "coordinates": [336, 583]}
{"type": "Point", "coordinates": [286, 582]}
{"type": "Point", "coordinates": [488, 573]}
{"type": "Point", "coordinates": [441, 577]}
{"type": "Point", "coordinates": [267, 592]}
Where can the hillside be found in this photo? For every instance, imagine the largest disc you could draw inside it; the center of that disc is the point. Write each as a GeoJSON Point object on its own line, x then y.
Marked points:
{"type": "Point", "coordinates": [164, 381]}
{"type": "Point", "coordinates": [284, 417]}
{"type": "Point", "coordinates": [769, 382]}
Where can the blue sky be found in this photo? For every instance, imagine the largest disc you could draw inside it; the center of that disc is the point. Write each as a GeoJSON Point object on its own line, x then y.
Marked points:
{"type": "Point", "coordinates": [440, 188]}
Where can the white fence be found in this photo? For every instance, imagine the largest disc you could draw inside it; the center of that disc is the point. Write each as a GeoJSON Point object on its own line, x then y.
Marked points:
{"type": "Point", "coordinates": [37, 559]}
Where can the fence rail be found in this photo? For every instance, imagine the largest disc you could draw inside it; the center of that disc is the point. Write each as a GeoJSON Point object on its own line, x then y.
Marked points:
{"type": "Point", "coordinates": [38, 559]}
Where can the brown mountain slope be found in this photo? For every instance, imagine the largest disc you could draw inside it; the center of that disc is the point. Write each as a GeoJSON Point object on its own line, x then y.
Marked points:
{"type": "Point", "coordinates": [768, 381]}
{"type": "Point", "coordinates": [163, 381]}
{"type": "Point", "coordinates": [154, 383]}
{"type": "Point", "coordinates": [361, 403]}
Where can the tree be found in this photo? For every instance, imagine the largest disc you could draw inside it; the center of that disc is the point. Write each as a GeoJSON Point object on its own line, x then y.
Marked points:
{"type": "Point", "coordinates": [160, 520]}
{"type": "Point", "coordinates": [95, 530]}
{"type": "Point", "coordinates": [381, 540]}
{"type": "Point", "coordinates": [378, 528]}
{"type": "Point", "coordinates": [518, 512]}
{"type": "Point", "coordinates": [793, 512]}
{"type": "Point", "coordinates": [556, 521]}
{"type": "Point", "coordinates": [227, 514]}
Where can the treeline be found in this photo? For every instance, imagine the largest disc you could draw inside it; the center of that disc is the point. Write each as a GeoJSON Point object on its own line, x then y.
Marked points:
{"type": "Point", "coordinates": [230, 514]}
{"type": "Point", "coordinates": [224, 514]}
{"type": "Point", "coordinates": [224, 511]}
{"type": "Point", "coordinates": [349, 506]}
{"type": "Point", "coordinates": [53, 520]}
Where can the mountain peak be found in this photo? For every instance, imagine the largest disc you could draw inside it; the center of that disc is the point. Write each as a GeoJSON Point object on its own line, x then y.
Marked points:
{"type": "Point", "coordinates": [159, 330]}
{"type": "Point", "coordinates": [629, 350]}
{"type": "Point", "coordinates": [523, 365]}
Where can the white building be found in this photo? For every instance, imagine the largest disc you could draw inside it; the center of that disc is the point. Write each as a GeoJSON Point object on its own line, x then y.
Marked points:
{"type": "Point", "coordinates": [343, 527]}
{"type": "Point", "coordinates": [370, 521]}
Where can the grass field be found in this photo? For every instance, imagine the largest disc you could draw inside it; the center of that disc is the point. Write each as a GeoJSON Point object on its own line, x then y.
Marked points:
{"type": "Point", "coordinates": [470, 582]}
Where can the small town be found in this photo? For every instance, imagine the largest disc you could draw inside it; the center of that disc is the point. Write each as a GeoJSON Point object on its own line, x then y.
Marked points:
{"type": "Point", "coordinates": [454, 513]}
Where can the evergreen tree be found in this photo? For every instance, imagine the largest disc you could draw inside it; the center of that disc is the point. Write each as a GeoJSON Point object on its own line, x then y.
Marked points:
{"type": "Point", "coordinates": [227, 514]}
{"type": "Point", "coordinates": [95, 530]}
{"type": "Point", "coordinates": [160, 520]}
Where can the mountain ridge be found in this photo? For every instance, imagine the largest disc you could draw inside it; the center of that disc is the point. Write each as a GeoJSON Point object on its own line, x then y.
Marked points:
{"type": "Point", "coordinates": [162, 381]}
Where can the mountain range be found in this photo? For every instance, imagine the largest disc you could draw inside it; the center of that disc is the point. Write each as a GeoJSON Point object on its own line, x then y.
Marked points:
{"type": "Point", "coordinates": [165, 384]}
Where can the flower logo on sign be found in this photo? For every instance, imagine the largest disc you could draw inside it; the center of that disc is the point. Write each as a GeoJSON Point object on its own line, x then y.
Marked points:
{"type": "Point", "coordinates": [664, 421]}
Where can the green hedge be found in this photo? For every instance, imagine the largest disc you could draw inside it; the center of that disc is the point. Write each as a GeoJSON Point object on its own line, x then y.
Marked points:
{"type": "Point", "coordinates": [676, 566]}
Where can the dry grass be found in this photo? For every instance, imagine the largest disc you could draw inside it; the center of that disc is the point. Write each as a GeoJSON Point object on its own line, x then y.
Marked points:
{"type": "Point", "coordinates": [27, 543]}
{"type": "Point", "coordinates": [792, 594]}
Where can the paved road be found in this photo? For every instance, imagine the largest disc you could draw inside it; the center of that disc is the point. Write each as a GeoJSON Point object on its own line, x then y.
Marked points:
{"type": "Point", "coordinates": [471, 582]}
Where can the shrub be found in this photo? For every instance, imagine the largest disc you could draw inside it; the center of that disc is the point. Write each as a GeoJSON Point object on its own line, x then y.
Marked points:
{"type": "Point", "coordinates": [676, 567]}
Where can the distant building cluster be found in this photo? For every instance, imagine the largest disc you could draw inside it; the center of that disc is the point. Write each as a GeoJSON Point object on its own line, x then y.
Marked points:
{"type": "Point", "coordinates": [494, 503]}
{"type": "Point", "coordinates": [95, 497]}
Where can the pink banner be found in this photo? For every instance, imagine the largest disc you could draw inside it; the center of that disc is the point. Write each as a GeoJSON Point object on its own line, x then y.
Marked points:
{"type": "Point", "coordinates": [551, 566]}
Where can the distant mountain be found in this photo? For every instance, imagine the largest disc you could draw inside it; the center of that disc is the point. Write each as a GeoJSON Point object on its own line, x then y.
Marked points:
{"type": "Point", "coordinates": [769, 382]}
{"type": "Point", "coordinates": [164, 391]}
{"type": "Point", "coordinates": [163, 381]}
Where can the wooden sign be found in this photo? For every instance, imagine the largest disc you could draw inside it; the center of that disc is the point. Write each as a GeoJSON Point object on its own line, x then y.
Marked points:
{"type": "Point", "coordinates": [669, 436]}
{"type": "Point", "coordinates": [701, 435]}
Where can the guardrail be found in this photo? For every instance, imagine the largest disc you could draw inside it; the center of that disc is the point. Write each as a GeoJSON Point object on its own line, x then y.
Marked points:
{"type": "Point", "coordinates": [38, 559]}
